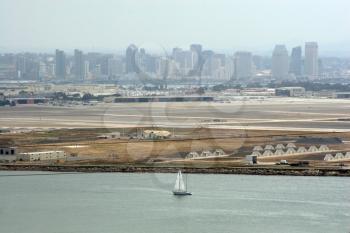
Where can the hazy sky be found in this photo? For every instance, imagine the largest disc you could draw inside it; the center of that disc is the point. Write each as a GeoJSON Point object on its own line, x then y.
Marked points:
{"type": "Point", "coordinates": [255, 25]}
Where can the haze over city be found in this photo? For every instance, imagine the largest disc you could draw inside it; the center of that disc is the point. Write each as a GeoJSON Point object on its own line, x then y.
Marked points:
{"type": "Point", "coordinates": [223, 25]}
{"type": "Point", "coordinates": [163, 116]}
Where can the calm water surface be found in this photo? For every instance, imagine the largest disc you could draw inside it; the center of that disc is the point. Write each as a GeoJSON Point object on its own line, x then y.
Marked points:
{"type": "Point", "coordinates": [143, 203]}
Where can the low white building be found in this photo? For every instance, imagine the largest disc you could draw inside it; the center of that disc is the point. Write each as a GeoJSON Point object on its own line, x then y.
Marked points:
{"type": "Point", "coordinates": [156, 134]}
{"type": "Point", "coordinates": [41, 156]}
{"type": "Point", "coordinates": [251, 159]}
{"type": "Point", "coordinates": [8, 151]}
{"type": "Point", "coordinates": [8, 154]}
{"type": "Point", "coordinates": [280, 147]}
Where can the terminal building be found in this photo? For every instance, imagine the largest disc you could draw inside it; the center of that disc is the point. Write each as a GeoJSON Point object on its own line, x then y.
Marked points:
{"type": "Point", "coordinates": [163, 99]}
{"type": "Point", "coordinates": [290, 91]}
{"type": "Point", "coordinates": [37, 100]}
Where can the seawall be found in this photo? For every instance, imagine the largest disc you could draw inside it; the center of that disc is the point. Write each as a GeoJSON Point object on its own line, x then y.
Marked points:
{"type": "Point", "coordinates": [251, 170]}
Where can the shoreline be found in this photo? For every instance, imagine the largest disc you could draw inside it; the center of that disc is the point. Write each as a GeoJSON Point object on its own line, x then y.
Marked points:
{"type": "Point", "coordinates": [264, 171]}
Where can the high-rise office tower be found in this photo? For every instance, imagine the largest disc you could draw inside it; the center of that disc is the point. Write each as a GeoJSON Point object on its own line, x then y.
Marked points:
{"type": "Point", "coordinates": [199, 62]}
{"type": "Point", "coordinates": [280, 62]}
{"type": "Point", "coordinates": [21, 63]}
{"type": "Point", "coordinates": [115, 66]}
{"type": "Point", "coordinates": [243, 65]}
{"type": "Point", "coordinates": [257, 61]}
{"type": "Point", "coordinates": [104, 61]}
{"type": "Point", "coordinates": [131, 56]}
{"type": "Point", "coordinates": [86, 69]}
{"type": "Point", "coordinates": [311, 59]}
{"type": "Point", "coordinates": [60, 68]}
{"type": "Point", "coordinates": [296, 61]}
{"type": "Point", "coordinates": [196, 48]}
{"type": "Point", "coordinates": [79, 65]}
{"type": "Point", "coordinates": [186, 60]}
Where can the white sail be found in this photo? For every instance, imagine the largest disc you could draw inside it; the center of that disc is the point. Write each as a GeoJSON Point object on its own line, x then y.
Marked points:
{"type": "Point", "coordinates": [179, 183]}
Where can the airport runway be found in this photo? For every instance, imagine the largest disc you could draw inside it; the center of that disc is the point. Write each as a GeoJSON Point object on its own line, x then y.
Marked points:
{"type": "Point", "coordinates": [288, 113]}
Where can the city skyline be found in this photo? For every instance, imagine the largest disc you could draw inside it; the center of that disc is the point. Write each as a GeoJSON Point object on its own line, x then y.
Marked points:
{"type": "Point", "coordinates": [194, 61]}
{"type": "Point", "coordinates": [110, 27]}
{"type": "Point", "coordinates": [268, 52]}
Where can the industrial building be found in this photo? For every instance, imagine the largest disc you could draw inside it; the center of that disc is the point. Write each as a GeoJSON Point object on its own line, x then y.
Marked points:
{"type": "Point", "coordinates": [114, 135]}
{"type": "Point", "coordinates": [328, 157]}
{"type": "Point", "coordinates": [337, 157]}
{"type": "Point", "coordinates": [156, 134]}
{"type": "Point", "coordinates": [251, 159]}
{"type": "Point", "coordinates": [8, 151]}
{"type": "Point", "coordinates": [8, 154]}
{"type": "Point", "coordinates": [342, 95]}
{"type": "Point", "coordinates": [206, 154]}
{"type": "Point", "coordinates": [41, 156]}
{"type": "Point", "coordinates": [289, 149]}
{"type": "Point", "coordinates": [313, 149]}
{"type": "Point", "coordinates": [301, 150]}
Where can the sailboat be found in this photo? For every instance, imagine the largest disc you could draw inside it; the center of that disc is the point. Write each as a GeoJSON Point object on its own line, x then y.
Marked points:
{"type": "Point", "coordinates": [180, 188]}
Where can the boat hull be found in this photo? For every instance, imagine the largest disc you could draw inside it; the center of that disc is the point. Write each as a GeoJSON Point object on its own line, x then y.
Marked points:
{"type": "Point", "coordinates": [176, 193]}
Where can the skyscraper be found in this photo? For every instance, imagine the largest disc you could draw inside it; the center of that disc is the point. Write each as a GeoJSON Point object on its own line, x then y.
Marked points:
{"type": "Point", "coordinates": [196, 48]}
{"type": "Point", "coordinates": [86, 69]}
{"type": "Point", "coordinates": [311, 59]}
{"type": "Point", "coordinates": [186, 60]}
{"type": "Point", "coordinates": [60, 68]}
{"type": "Point", "coordinates": [104, 61]}
{"type": "Point", "coordinates": [296, 61]}
{"type": "Point", "coordinates": [79, 65]}
{"type": "Point", "coordinates": [21, 64]}
{"type": "Point", "coordinates": [131, 63]}
{"type": "Point", "coordinates": [243, 65]}
{"type": "Point", "coordinates": [280, 62]}
{"type": "Point", "coordinates": [199, 60]}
